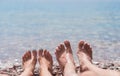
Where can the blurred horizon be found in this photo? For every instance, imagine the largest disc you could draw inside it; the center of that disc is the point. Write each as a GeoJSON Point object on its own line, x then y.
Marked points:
{"type": "Point", "coordinates": [53, 5]}
{"type": "Point", "coordinates": [35, 24]}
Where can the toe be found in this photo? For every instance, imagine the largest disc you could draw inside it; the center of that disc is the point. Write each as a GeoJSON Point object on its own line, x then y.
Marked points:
{"type": "Point", "coordinates": [87, 47]}
{"type": "Point", "coordinates": [57, 53]}
{"type": "Point", "coordinates": [80, 45]}
{"type": "Point", "coordinates": [25, 56]}
{"type": "Point", "coordinates": [45, 53]}
{"type": "Point", "coordinates": [24, 59]}
{"type": "Point", "coordinates": [40, 52]}
{"type": "Point", "coordinates": [50, 57]}
{"type": "Point", "coordinates": [62, 47]}
{"type": "Point", "coordinates": [88, 50]}
{"type": "Point", "coordinates": [68, 46]}
{"type": "Point", "coordinates": [91, 53]}
{"type": "Point", "coordinates": [59, 47]}
{"type": "Point", "coordinates": [58, 50]}
{"type": "Point", "coordinates": [29, 54]}
{"type": "Point", "coordinates": [34, 52]}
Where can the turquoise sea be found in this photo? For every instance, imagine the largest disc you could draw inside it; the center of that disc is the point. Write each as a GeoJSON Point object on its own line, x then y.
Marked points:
{"type": "Point", "coordinates": [28, 25]}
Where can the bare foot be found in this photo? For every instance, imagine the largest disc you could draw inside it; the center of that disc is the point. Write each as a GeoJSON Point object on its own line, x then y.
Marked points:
{"type": "Point", "coordinates": [84, 54]}
{"type": "Point", "coordinates": [63, 54]}
{"type": "Point", "coordinates": [86, 67]}
{"type": "Point", "coordinates": [46, 62]}
{"type": "Point", "coordinates": [29, 61]}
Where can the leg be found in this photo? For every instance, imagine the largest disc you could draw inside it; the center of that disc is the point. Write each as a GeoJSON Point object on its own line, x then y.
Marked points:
{"type": "Point", "coordinates": [87, 68]}
{"type": "Point", "coordinates": [46, 62]}
{"type": "Point", "coordinates": [4, 75]}
{"type": "Point", "coordinates": [29, 62]}
{"type": "Point", "coordinates": [65, 58]}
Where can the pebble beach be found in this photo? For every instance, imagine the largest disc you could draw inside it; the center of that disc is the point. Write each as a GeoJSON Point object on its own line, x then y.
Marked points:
{"type": "Point", "coordinates": [28, 25]}
{"type": "Point", "coordinates": [16, 70]}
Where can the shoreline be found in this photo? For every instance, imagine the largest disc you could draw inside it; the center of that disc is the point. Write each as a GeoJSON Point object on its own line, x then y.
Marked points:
{"type": "Point", "coordinates": [16, 69]}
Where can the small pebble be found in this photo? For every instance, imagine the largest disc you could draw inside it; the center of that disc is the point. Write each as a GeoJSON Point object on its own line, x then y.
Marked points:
{"type": "Point", "coordinates": [15, 70]}
{"type": "Point", "coordinates": [96, 63]}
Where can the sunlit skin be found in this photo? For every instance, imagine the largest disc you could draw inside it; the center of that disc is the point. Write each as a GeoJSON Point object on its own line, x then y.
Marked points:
{"type": "Point", "coordinates": [29, 60]}
{"type": "Point", "coordinates": [46, 63]}
{"type": "Point", "coordinates": [84, 54]}
{"type": "Point", "coordinates": [65, 59]}
{"type": "Point", "coordinates": [4, 75]}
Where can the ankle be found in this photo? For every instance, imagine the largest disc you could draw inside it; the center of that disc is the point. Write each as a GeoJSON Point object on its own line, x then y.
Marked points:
{"type": "Point", "coordinates": [45, 68]}
{"type": "Point", "coordinates": [85, 61]}
{"type": "Point", "coordinates": [29, 71]}
{"type": "Point", "coordinates": [43, 71]}
{"type": "Point", "coordinates": [70, 67]}
{"type": "Point", "coordinates": [84, 65]}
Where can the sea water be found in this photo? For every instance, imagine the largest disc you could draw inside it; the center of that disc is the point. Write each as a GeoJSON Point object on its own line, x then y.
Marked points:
{"type": "Point", "coordinates": [35, 25]}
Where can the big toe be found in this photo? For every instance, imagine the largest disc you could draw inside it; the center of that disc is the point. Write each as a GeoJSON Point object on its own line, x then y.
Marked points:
{"type": "Point", "coordinates": [40, 53]}
{"type": "Point", "coordinates": [88, 50]}
{"type": "Point", "coordinates": [81, 44]}
{"type": "Point", "coordinates": [26, 56]}
{"type": "Point", "coordinates": [68, 46]}
{"type": "Point", "coordinates": [48, 56]}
